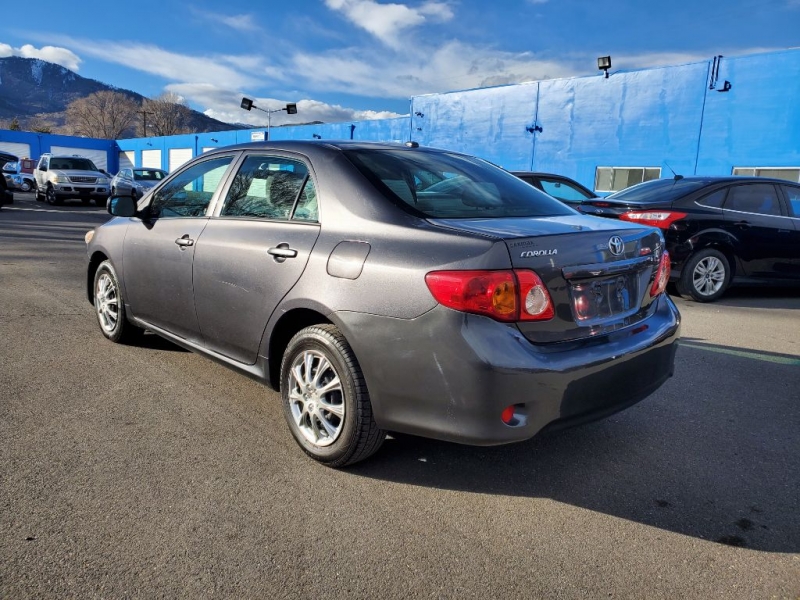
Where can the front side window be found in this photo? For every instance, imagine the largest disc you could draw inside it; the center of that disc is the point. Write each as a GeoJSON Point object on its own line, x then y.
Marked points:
{"type": "Point", "coordinates": [759, 198]}
{"type": "Point", "coordinates": [190, 192]}
{"type": "Point", "coordinates": [266, 187]}
{"type": "Point", "coordinates": [445, 185]}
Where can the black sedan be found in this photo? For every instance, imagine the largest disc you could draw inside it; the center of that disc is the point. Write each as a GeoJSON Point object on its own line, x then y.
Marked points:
{"type": "Point", "coordinates": [718, 230]}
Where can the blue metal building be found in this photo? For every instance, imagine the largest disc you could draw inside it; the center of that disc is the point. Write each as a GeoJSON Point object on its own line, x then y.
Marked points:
{"type": "Point", "coordinates": [717, 117]}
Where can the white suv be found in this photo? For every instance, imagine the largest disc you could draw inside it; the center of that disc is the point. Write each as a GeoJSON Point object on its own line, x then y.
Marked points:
{"type": "Point", "coordinates": [59, 177]}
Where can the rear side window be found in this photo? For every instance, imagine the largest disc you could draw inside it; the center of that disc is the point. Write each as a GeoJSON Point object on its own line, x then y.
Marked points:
{"type": "Point", "coordinates": [793, 195]}
{"type": "Point", "coordinates": [444, 185]}
{"type": "Point", "coordinates": [269, 187]}
{"type": "Point", "coordinates": [758, 198]}
{"type": "Point", "coordinates": [714, 199]}
{"type": "Point", "coordinates": [564, 190]}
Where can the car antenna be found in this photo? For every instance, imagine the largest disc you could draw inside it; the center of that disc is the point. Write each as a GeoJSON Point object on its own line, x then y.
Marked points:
{"type": "Point", "coordinates": [675, 175]}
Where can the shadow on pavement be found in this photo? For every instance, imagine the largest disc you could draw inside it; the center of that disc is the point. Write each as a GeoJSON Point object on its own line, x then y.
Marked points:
{"type": "Point", "coordinates": [720, 463]}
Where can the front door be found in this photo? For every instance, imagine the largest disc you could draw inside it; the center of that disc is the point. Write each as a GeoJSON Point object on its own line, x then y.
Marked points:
{"type": "Point", "coordinates": [159, 250]}
{"type": "Point", "coordinates": [252, 254]}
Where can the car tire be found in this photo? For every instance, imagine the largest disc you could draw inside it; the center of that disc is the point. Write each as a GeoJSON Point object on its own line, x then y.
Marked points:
{"type": "Point", "coordinates": [38, 193]}
{"type": "Point", "coordinates": [50, 196]}
{"type": "Point", "coordinates": [101, 201]}
{"type": "Point", "coordinates": [336, 427]}
{"type": "Point", "coordinates": [705, 276]}
{"type": "Point", "coordinates": [25, 186]}
{"type": "Point", "coordinates": [109, 307]}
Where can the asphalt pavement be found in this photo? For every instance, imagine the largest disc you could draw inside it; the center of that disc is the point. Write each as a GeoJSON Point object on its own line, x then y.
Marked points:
{"type": "Point", "coordinates": [147, 471]}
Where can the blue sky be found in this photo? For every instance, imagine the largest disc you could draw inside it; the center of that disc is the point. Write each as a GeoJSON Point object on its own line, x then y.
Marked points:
{"type": "Point", "coordinates": [358, 59]}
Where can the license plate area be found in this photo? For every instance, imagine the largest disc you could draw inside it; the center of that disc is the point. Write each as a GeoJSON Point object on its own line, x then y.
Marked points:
{"type": "Point", "coordinates": [604, 298]}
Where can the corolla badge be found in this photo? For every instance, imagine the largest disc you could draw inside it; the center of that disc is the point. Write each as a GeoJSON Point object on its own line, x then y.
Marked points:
{"type": "Point", "coordinates": [616, 245]}
{"type": "Point", "coordinates": [531, 253]}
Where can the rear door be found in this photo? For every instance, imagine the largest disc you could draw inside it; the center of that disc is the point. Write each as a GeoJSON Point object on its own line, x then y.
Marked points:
{"type": "Point", "coordinates": [791, 194]}
{"type": "Point", "coordinates": [253, 252]}
{"type": "Point", "coordinates": [755, 216]}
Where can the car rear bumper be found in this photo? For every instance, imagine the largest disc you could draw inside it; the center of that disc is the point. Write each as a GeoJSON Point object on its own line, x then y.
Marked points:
{"type": "Point", "coordinates": [449, 375]}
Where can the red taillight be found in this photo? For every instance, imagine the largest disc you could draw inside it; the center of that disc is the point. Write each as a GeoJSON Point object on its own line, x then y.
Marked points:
{"type": "Point", "coordinates": [508, 296]}
{"type": "Point", "coordinates": [661, 279]}
{"type": "Point", "coordinates": [655, 218]}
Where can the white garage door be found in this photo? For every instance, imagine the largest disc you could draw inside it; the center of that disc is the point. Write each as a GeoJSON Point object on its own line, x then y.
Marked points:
{"type": "Point", "coordinates": [179, 156]}
{"type": "Point", "coordinates": [98, 157]}
{"type": "Point", "coordinates": [126, 159]}
{"type": "Point", "coordinates": [208, 148]}
{"type": "Point", "coordinates": [18, 150]}
{"type": "Point", "coordinates": [151, 159]}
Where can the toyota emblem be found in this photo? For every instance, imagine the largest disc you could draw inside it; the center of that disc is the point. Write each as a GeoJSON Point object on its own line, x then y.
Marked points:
{"type": "Point", "coordinates": [616, 245]}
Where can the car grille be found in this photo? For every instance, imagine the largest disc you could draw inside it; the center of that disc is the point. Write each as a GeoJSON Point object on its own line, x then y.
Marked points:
{"type": "Point", "coordinates": [83, 179]}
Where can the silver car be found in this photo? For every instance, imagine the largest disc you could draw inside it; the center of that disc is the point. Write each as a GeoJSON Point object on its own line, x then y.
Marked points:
{"type": "Point", "coordinates": [481, 312]}
{"type": "Point", "coordinates": [136, 182]}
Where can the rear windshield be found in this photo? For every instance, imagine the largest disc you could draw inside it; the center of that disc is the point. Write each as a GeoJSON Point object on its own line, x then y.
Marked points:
{"type": "Point", "coordinates": [444, 185]}
{"type": "Point", "coordinates": [148, 175]}
{"type": "Point", "coordinates": [79, 164]}
{"type": "Point", "coordinates": [657, 190]}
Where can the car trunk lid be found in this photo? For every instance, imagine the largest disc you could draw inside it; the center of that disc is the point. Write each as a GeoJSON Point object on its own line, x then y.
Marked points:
{"type": "Point", "coordinates": [598, 272]}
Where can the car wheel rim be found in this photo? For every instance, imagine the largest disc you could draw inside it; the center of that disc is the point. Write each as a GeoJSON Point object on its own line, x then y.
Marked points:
{"type": "Point", "coordinates": [316, 398]}
{"type": "Point", "coordinates": [51, 196]}
{"type": "Point", "coordinates": [106, 301]}
{"type": "Point", "coordinates": [708, 276]}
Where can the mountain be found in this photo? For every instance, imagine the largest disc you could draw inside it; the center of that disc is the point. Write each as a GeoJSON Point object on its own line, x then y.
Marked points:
{"type": "Point", "coordinates": [33, 89]}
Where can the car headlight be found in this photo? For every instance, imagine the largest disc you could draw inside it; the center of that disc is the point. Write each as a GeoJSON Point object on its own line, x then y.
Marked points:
{"type": "Point", "coordinates": [102, 180]}
{"type": "Point", "coordinates": [58, 178]}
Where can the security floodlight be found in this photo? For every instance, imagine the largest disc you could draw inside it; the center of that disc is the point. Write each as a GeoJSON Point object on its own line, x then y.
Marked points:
{"type": "Point", "coordinates": [604, 64]}
{"type": "Point", "coordinates": [291, 109]}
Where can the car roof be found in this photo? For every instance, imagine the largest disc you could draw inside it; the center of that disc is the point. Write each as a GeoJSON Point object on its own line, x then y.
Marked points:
{"type": "Point", "coordinates": [322, 145]}
{"type": "Point", "coordinates": [709, 179]}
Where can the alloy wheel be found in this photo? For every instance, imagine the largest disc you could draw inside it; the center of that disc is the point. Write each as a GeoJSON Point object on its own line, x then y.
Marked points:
{"type": "Point", "coordinates": [316, 398]}
{"type": "Point", "coordinates": [708, 276]}
{"type": "Point", "coordinates": [106, 303]}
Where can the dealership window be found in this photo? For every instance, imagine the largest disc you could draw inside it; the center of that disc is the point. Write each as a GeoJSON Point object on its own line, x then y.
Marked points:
{"type": "Point", "coordinates": [787, 173]}
{"type": "Point", "coordinates": [614, 179]}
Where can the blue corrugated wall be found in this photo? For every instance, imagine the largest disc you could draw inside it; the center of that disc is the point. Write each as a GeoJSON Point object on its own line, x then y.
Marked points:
{"type": "Point", "coordinates": [663, 117]}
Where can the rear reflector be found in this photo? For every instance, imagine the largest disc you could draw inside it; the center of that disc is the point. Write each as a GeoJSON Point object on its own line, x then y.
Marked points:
{"type": "Point", "coordinates": [661, 279]}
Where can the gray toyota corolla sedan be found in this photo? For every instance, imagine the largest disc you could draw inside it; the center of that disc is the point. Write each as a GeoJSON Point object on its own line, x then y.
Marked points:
{"type": "Point", "coordinates": [377, 299]}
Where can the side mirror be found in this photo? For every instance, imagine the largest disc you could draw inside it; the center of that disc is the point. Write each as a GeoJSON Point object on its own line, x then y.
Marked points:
{"type": "Point", "coordinates": [121, 206]}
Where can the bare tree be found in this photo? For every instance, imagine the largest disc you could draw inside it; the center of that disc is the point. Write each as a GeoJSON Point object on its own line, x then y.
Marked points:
{"type": "Point", "coordinates": [105, 115]}
{"type": "Point", "coordinates": [166, 114]}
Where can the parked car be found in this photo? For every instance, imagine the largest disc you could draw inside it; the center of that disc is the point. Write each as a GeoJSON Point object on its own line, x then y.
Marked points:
{"type": "Point", "coordinates": [17, 178]}
{"type": "Point", "coordinates": [482, 314]}
{"type": "Point", "coordinates": [718, 230]}
{"type": "Point", "coordinates": [6, 195]}
{"type": "Point", "coordinates": [562, 188]}
{"type": "Point", "coordinates": [135, 181]}
{"type": "Point", "coordinates": [60, 177]}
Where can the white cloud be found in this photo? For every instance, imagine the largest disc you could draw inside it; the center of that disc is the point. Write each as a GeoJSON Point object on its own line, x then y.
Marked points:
{"type": "Point", "coordinates": [60, 56]}
{"type": "Point", "coordinates": [223, 70]}
{"type": "Point", "coordinates": [223, 105]}
{"type": "Point", "coordinates": [388, 21]}
{"type": "Point", "coordinates": [242, 23]}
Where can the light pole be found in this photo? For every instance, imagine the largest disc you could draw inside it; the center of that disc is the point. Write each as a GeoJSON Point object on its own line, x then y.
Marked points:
{"type": "Point", "coordinates": [291, 109]}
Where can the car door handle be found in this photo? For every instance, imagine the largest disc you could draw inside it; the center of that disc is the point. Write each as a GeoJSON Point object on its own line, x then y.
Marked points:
{"type": "Point", "coordinates": [281, 252]}
{"type": "Point", "coordinates": [185, 241]}
{"type": "Point", "coordinates": [743, 225]}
